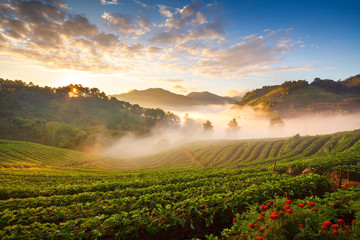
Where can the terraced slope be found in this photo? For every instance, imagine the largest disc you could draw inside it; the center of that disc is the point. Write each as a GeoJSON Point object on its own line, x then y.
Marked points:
{"type": "Point", "coordinates": [217, 154]}
{"type": "Point", "coordinates": [21, 154]}
{"type": "Point", "coordinates": [256, 152]}
{"type": "Point", "coordinates": [25, 154]}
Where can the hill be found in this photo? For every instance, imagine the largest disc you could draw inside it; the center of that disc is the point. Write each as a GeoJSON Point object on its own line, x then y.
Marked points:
{"type": "Point", "coordinates": [72, 116]}
{"type": "Point", "coordinates": [294, 98]}
{"type": "Point", "coordinates": [201, 190]}
{"type": "Point", "coordinates": [321, 151]}
{"type": "Point", "coordinates": [158, 204]}
{"type": "Point", "coordinates": [298, 151]}
{"type": "Point", "coordinates": [158, 97]}
{"type": "Point", "coordinates": [18, 154]}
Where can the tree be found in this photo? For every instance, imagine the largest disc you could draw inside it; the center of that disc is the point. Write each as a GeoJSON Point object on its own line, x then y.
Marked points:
{"type": "Point", "coordinates": [208, 127]}
{"type": "Point", "coordinates": [233, 127]}
{"type": "Point", "coordinates": [190, 125]}
{"type": "Point", "coordinates": [276, 121]}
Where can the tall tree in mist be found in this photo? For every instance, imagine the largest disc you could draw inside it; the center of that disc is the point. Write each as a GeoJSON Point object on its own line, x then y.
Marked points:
{"type": "Point", "coordinates": [190, 125]}
{"type": "Point", "coordinates": [208, 128]}
{"type": "Point", "coordinates": [276, 122]}
{"type": "Point", "coordinates": [233, 128]}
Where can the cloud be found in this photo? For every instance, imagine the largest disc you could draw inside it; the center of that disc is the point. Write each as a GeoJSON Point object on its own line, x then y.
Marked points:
{"type": "Point", "coordinates": [111, 2]}
{"type": "Point", "coordinates": [179, 89]}
{"type": "Point", "coordinates": [237, 93]}
{"type": "Point", "coordinates": [189, 40]}
{"type": "Point", "coordinates": [210, 31]}
{"type": "Point", "coordinates": [47, 33]}
{"type": "Point", "coordinates": [165, 11]}
{"type": "Point", "coordinates": [189, 15]}
{"type": "Point", "coordinates": [170, 80]}
{"type": "Point", "coordinates": [122, 23]}
{"type": "Point", "coordinates": [141, 3]}
{"type": "Point", "coordinates": [252, 56]}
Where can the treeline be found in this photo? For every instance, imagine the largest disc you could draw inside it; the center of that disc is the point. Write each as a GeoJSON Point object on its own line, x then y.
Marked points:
{"type": "Point", "coordinates": [74, 115]}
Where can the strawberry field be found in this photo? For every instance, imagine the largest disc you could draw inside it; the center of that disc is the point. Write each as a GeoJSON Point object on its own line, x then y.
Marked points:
{"type": "Point", "coordinates": [227, 190]}
{"type": "Point", "coordinates": [155, 204]}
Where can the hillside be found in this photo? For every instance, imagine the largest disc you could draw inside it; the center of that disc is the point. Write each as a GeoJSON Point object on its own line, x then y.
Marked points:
{"type": "Point", "coordinates": [300, 151]}
{"type": "Point", "coordinates": [18, 154]}
{"type": "Point", "coordinates": [158, 97]}
{"type": "Point", "coordinates": [201, 190]}
{"type": "Point", "coordinates": [295, 98]}
{"type": "Point", "coordinates": [72, 116]}
{"type": "Point", "coordinates": [207, 188]}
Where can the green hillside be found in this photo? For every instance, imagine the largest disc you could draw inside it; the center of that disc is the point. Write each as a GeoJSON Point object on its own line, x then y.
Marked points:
{"type": "Point", "coordinates": [20, 154]}
{"type": "Point", "coordinates": [298, 151]}
{"type": "Point", "coordinates": [261, 152]}
{"type": "Point", "coordinates": [201, 190]}
{"type": "Point", "coordinates": [73, 116]}
{"type": "Point", "coordinates": [294, 98]}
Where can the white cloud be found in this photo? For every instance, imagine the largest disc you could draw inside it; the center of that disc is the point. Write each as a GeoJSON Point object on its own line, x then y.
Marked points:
{"type": "Point", "coordinates": [111, 2]}
{"type": "Point", "coordinates": [165, 12]}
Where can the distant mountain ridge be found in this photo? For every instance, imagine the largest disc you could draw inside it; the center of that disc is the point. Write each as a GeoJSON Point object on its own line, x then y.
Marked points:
{"type": "Point", "coordinates": [294, 98]}
{"type": "Point", "coordinates": [161, 98]}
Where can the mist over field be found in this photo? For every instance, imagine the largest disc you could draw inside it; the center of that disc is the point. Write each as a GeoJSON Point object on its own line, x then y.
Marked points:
{"type": "Point", "coordinates": [252, 125]}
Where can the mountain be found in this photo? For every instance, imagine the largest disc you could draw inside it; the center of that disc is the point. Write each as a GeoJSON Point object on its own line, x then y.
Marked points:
{"type": "Point", "coordinates": [161, 98]}
{"type": "Point", "coordinates": [294, 98]}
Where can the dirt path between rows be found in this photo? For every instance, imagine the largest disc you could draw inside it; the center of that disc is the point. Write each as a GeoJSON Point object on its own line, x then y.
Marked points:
{"type": "Point", "coordinates": [193, 159]}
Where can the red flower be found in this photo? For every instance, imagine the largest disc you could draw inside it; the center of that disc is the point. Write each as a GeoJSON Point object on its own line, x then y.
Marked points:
{"type": "Point", "coordinates": [259, 238]}
{"type": "Point", "coordinates": [261, 219]}
{"type": "Point", "coordinates": [335, 226]}
{"type": "Point", "coordinates": [281, 213]}
{"type": "Point", "coordinates": [323, 227]}
{"type": "Point", "coordinates": [288, 201]}
{"type": "Point", "coordinates": [234, 220]}
{"type": "Point", "coordinates": [327, 224]}
{"type": "Point", "coordinates": [289, 211]}
{"type": "Point", "coordinates": [261, 230]}
{"type": "Point", "coordinates": [262, 214]}
{"type": "Point", "coordinates": [274, 216]}
{"type": "Point", "coordinates": [311, 204]}
{"type": "Point", "coordinates": [286, 207]}
{"type": "Point", "coordinates": [335, 232]}
{"type": "Point", "coordinates": [301, 205]}
{"type": "Point", "coordinates": [264, 207]}
{"type": "Point", "coordinates": [271, 203]}
{"type": "Point", "coordinates": [301, 225]}
{"type": "Point", "coordinates": [251, 225]}
{"type": "Point", "coordinates": [266, 225]}
{"type": "Point", "coordinates": [315, 209]}
{"type": "Point", "coordinates": [340, 221]}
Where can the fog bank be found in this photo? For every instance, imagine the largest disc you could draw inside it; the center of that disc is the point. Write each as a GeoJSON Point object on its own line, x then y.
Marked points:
{"type": "Point", "coordinates": [253, 125]}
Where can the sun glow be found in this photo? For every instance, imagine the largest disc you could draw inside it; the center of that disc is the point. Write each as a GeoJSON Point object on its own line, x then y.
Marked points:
{"type": "Point", "coordinates": [74, 92]}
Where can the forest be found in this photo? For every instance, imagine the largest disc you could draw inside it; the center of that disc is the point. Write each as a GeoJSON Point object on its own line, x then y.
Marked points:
{"type": "Point", "coordinates": [72, 116]}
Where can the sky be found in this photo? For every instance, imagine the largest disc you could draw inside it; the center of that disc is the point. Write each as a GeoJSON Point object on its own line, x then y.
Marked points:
{"type": "Point", "coordinates": [225, 47]}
